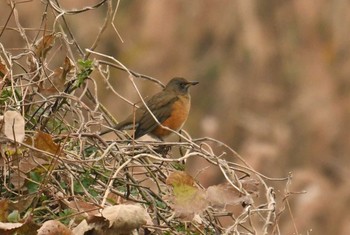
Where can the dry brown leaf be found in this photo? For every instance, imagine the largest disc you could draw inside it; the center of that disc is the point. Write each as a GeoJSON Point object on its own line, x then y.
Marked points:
{"type": "Point", "coordinates": [68, 65]}
{"type": "Point", "coordinates": [251, 186]}
{"type": "Point", "coordinates": [22, 204]}
{"type": "Point", "coordinates": [225, 194]}
{"type": "Point", "coordinates": [56, 83]}
{"type": "Point", "coordinates": [17, 180]}
{"type": "Point", "coordinates": [179, 177]}
{"type": "Point", "coordinates": [44, 142]}
{"type": "Point", "coordinates": [82, 206]}
{"type": "Point", "coordinates": [9, 226]}
{"type": "Point", "coordinates": [44, 45]}
{"type": "Point", "coordinates": [54, 227]}
{"type": "Point", "coordinates": [118, 220]}
{"type": "Point", "coordinates": [116, 199]}
{"type": "Point", "coordinates": [32, 162]}
{"type": "Point", "coordinates": [29, 163]}
{"type": "Point", "coordinates": [125, 217]}
{"type": "Point", "coordinates": [4, 205]}
{"type": "Point", "coordinates": [14, 126]}
{"type": "Point", "coordinates": [82, 228]}
{"type": "Point", "coordinates": [28, 228]}
{"type": "Point", "coordinates": [3, 68]}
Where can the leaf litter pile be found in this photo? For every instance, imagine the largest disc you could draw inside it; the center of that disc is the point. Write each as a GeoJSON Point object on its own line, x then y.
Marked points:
{"type": "Point", "coordinates": [59, 175]}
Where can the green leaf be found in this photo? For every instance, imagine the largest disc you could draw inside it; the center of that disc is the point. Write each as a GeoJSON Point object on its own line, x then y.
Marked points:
{"type": "Point", "coordinates": [13, 216]}
{"type": "Point", "coordinates": [85, 70]}
{"type": "Point", "coordinates": [5, 94]}
{"type": "Point", "coordinates": [65, 215]}
{"type": "Point", "coordinates": [34, 186]}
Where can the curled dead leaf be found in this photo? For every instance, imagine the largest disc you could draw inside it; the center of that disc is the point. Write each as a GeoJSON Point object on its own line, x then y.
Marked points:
{"type": "Point", "coordinates": [125, 217]}
{"type": "Point", "coordinates": [44, 45]}
{"type": "Point", "coordinates": [3, 68]}
{"type": "Point", "coordinates": [116, 220]}
{"type": "Point", "coordinates": [9, 226]}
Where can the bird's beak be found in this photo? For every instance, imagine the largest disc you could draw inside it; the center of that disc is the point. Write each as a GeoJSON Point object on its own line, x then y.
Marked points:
{"type": "Point", "coordinates": [192, 83]}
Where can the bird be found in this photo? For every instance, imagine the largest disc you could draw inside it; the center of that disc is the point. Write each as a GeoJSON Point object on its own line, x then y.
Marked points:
{"type": "Point", "coordinates": [170, 107]}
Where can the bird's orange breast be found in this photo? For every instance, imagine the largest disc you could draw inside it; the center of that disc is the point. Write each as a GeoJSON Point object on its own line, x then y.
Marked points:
{"type": "Point", "coordinates": [178, 117]}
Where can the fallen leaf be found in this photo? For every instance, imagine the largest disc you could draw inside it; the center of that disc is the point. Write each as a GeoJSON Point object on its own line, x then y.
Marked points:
{"type": "Point", "coordinates": [118, 220]}
{"type": "Point", "coordinates": [14, 126]}
{"type": "Point", "coordinates": [4, 205]}
{"type": "Point", "coordinates": [9, 226]}
{"type": "Point", "coordinates": [22, 203]}
{"type": "Point", "coordinates": [82, 206]}
{"type": "Point", "coordinates": [54, 227]}
{"type": "Point", "coordinates": [17, 180]}
{"type": "Point", "coordinates": [82, 228]}
{"type": "Point", "coordinates": [125, 217]}
{"type": "Point", "coordinates": [28, 228]}
{"type": "Point", "coordinates": [43, 141]}
{"type": "Point", "coordinates": [29, 163]}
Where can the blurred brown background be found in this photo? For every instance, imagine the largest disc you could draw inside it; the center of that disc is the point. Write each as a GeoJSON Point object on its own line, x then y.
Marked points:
{"type": "Point", "coordinates": [274, 82]}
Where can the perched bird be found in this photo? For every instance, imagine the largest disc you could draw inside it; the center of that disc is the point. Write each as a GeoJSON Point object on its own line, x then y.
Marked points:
{"type": "Point", "coordinates": [170, 106]}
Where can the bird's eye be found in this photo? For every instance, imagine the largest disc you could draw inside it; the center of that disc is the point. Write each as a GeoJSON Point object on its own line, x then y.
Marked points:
{"type": "Point", "coordinates": [183, 85]}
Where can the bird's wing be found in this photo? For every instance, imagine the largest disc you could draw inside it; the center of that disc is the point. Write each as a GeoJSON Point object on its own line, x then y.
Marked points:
{"type": "Point", "coordinates": [160, 106]}
{"type": "Point", "coordinates": [131, 122]}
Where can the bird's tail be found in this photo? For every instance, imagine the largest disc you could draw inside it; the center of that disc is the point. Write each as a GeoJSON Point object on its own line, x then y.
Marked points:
{"type": "Point", "coordinates": [120, 127]}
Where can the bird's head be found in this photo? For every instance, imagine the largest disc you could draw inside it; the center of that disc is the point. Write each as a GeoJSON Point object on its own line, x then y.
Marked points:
{"type": "Point", "coordinates": [179, 85]}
